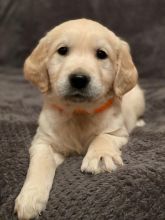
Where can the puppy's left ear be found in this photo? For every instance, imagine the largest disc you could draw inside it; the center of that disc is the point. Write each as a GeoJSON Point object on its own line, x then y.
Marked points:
{"type": "Point", "coordinates": [126, 73]}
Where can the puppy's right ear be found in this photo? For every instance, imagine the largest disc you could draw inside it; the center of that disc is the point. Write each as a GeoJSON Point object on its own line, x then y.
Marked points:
{"type": "Point", "coordinates": [35, 69]}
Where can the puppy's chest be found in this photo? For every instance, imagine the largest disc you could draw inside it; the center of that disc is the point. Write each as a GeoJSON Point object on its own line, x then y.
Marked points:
{"type": "Point", "coordinates": [75, 134]}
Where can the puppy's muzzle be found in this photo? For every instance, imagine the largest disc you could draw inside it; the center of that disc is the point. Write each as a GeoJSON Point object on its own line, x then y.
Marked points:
{"type": "Point", "coordinates": [79, 86]}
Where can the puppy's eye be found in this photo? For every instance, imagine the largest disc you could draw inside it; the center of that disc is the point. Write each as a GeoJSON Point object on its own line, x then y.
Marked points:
{"type": "Point", "coordinates": [100, 54]}
{"type": "Point", "coordinates": [63, 51]}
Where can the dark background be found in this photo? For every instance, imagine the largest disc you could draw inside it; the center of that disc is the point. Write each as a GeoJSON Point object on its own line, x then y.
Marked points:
{"type": "Point", "coordinates": [140, 22]}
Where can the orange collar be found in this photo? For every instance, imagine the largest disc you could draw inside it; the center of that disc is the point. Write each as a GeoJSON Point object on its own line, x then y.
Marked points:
{"type": "Point", "coordinates": [103, 107]}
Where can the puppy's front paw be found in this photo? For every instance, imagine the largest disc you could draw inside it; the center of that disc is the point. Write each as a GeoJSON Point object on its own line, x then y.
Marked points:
{"type": "Point", "coordinates": [30, 202]}
{"type": "Point", "coordinates": [97, 162]}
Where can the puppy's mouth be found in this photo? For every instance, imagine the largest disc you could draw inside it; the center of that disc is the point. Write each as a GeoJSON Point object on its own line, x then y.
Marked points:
{"type": "Point", "coordinates": [78, 97]}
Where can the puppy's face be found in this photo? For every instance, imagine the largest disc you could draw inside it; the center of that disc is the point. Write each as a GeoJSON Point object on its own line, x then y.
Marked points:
{"type": "Point", "coordinates": [81, 67]}
{"type": "Point", "coordinates": [81, 62]}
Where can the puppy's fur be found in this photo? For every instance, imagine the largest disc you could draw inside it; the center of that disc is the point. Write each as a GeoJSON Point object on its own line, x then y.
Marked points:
{"type": "Point", "coordinates": [99, 136]}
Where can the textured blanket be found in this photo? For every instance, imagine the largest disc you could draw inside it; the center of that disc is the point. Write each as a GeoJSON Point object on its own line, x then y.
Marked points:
{"type": "Point", "coordinates": [135, 191]}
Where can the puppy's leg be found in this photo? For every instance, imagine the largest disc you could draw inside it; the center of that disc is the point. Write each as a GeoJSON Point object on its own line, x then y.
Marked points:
{"type": "Point", "coordinates": [140, 123]}
{"type": "Point", "coordinates": [104, 154]}
{"type": "Point", "coordinates": [35, 192]}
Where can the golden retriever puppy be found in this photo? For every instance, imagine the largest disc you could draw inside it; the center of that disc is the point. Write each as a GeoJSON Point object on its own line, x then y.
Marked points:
{"type": "Point", "coordinates": [91, 103]}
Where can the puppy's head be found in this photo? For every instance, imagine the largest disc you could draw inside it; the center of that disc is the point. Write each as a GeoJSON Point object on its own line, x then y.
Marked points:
{"type": "Point", "coordinates": [81, 62]}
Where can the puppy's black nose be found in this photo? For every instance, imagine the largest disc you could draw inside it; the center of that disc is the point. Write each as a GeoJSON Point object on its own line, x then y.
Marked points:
{"type": "Point", "coordinates": [79, 80]}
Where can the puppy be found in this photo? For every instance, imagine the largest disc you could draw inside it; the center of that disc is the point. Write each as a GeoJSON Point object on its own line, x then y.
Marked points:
{"type": "Point", "coordinates": [91, 104]}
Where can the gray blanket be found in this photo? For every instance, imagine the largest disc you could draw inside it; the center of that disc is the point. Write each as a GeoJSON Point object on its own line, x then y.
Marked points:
{"type": "Point", "coordinates": [136, 191]}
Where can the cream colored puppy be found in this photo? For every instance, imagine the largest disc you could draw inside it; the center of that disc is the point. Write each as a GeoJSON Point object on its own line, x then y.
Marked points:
{"type": "Point", "coordinates": [91, 103]}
